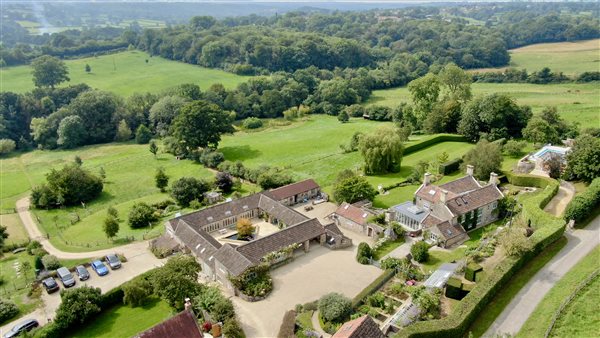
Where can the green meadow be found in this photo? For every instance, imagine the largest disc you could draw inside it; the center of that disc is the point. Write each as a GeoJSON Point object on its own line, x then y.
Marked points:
{"type": "Point", "coordinates": [575, 102]}
{"type": "Point", "coordinates": [125, 73]}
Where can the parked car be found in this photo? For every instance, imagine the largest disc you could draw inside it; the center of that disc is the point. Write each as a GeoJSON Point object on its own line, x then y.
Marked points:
{"type": "Point", "coordinates": [65, 277]}
{"type": "Point", "coordinates": [24, 326]}
{"type": "Point", "coordinates": [113, 261]}
{"type": "Point", "coordinates": [100, 268]}
{"type": "Point", "coordinates": [50, 285]}
{"type": "Point", "coordinates": [82, 272]}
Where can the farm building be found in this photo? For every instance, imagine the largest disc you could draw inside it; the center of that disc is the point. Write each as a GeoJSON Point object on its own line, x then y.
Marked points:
{"type": "Point", "coordinates": [352, 217]}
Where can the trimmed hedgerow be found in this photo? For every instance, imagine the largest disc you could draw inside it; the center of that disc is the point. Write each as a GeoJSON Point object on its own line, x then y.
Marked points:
{"type": "Point", "coordinates": [434, 140]}
{"type": "Point", "coordinates": [372, 288]}
{"type": "Point", "coordinates": [450, 166]}
{"type": "Point", "coordinates": [471, 271]}
{"type": "Point", "coordinates": [548, 230]}
{"type": "Point", "coordinates": [583, 205]}
{"type": "Point", "coordinates": [453, 288]}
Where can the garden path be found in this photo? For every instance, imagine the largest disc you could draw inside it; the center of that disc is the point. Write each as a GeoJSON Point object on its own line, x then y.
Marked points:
{"type": "Point", "coordinates": [317, 325]}
{"type": "Point", "coordinates": [580, 243]}
{"type": "Point", "coordinates": [558, 203]}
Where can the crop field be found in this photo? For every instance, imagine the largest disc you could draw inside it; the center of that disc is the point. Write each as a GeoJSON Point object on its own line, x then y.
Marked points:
{"type": "Point", "coordinates": [125, 73]}
{"type": "Point", "coordinates": [571, 58]}
{"type": "Point", "coordinates": [575, 102]}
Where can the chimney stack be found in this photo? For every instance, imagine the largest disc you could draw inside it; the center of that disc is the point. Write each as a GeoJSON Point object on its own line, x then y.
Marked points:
{"type": "Point", "coordinates": [188, 304]}
{"type": "Point", "coordinates": [494, 178]}
{"type": "Point", "coordinates": [426, 179]}
{"type": "Point", "coordinates": [444, 196]}
{"type": "Point", "coordinates": [470, 169]}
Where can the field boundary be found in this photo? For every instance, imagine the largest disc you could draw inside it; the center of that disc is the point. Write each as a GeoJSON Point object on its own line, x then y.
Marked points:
{"type": "Point", "coordinates": [568, 301]}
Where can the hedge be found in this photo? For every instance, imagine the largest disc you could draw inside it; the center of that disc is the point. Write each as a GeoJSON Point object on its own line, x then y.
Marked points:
{"type": "Point", "coordinates": [582, 205]}
{"type": "Point", "coordinates": [453, 288]}
{"type": "Point", "coordinates": [450, 166]}
{"type": "Point", "coordinates": [434, 140]}
{"type": "Point", "coordinates": [373, 287]}
{"type": "Point", "coordinates": [471, 271]}
{"type": "Point", "coordinates": [467, 310]}
{"type": "Point", "coordinates": [286, 330]}
{"type": "Point", "coordinates": [534, 203]}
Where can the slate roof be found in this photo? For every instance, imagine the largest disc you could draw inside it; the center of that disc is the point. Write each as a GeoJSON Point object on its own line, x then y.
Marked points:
{"type": "Point", "coordinates": [331, 227]}
{"type": "Point", "coordinates": [258, 248]}
{"type": "Point", "coordinates": [234, 261]}
{"type": "Point", "coordinates": [355, 214]}
{"type": "Point", "coordinates": [474, 199]}
{"type": "Point", "coordinates": [294, 189]}
{"type": "Point", "coordinates": [283, 213]}
{"type": "Point", "coordinates": [430, 221]}
{"type": "Point", "coordinates": [432, 193]}
{"type": "Point", "coordinates": [448, 230]}
{"type": "Point", "coordinates": [362, 327]}
{"type": "Point", "coordinates": [461, 185]}
{"type": "Point", "coordinates": [182, 325]}
{"type": "Point", "coordinates": [200, 242]}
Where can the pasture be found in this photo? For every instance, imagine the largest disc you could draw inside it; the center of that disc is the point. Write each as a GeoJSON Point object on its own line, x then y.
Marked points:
{"type": "Point", "coordinates": [125, 73]}
{"type": "Point", "coordinates": [571, 58]}
{"type": "Point", "coordinates": [575, 102]}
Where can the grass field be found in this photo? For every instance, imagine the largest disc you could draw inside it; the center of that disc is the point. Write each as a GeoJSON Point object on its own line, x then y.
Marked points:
{"type": "Point", "coordinates": [126, 73]}
{"type": "Point", "coordinates": [512, 287]}
{"type": "Point", "coordinates": [571, 58]}
{"type": "Point", "coordinates": [540, 319]}
{"type": "Point", "coordinates": [16, 231]}
{"type": "Point", "coordinates": [575, 102]}
{"type": "Point", "coordinates": [123, 321]}
{"type": "Point", "coordinates": [130, 172]}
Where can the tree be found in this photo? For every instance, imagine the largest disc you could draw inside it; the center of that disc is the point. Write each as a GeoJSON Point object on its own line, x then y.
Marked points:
{"type": "Point", "coordinates": [112, 212]}
{"type": "Point", "coordinates": [136, 292]}
{"type": "Point", "coordinates": [111, 227]}
{"type": "Point", "coordinates": [123, 131]}
{"type": "Point", "coordinates": [143, 135]}
{"type": "Point", "coordinates": [554, 165]}
{"type": "Point", "coordinates": [424, 93]}
{"type": "Point", "coordinates": [514, 240]}
{"type": "Point", "coordinates": [364, 253]}
{"type": "Point", "coordinates": [71, 132]}
{"type": "Point", "coordinates": [8, 310]}
{"type": "Point", "coordinates": [141, 215]}
{"type": "Point", "coordinates": [224, 182]}
{"type": "Point", "coordinates": [77, 306]}
{"type": "Point", "coordinates": [539, 131]}
{"type": "Point", "coordinates": [161, 179]}
{"type": "Point", "coordinates": [50, 262]}
{"type": "Point", "coordinates": [486, 157]}
{"type": "Point", "coordinates": [457, 81]}
{"type": "Point", "coordinates": [153, 148]}
{"type": "Point", "coordinates": [163, 112]}
{"type": "Point", "coordinates": [88, 68]}
{"type": "Point", "coordinates": [353, 189]}
{"type": "Point", "coordinates": [49, 71]}
{"type": "Point", "coordinates": [187, 189]}
{"type": "Point", "coordinates": [381, 151]}
{"type": "Point", "coordinates": [343, 116]}
{"type": "Point", "coordinates": [7, 146]}
{"type": "Point", "coordinates": [244, 228]}
{"type": "Point", "coordinates": [200, 124]}
{"type": "Point", "coordinates": [3, 236]}
{"type": "Point", "coordinates": [177, 280]}
{"type": "Point", "coordinates": [273, 178]}
{"type": "Point", "coordinates": [335, 307]}
{"type": "Point", "coordinates": [514, 147]}
{"type": "Point", "coordinates": [583, 161]}
{"type": "Point", "coordinates": [420, 251]}
{"type": "Point", "coordinates": [68, 186]}
{"type": "Point", "coordinates": [223, 310]}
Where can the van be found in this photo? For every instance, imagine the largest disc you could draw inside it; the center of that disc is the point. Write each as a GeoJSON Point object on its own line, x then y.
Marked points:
{"type": "Point", "coordinates": [65, 277]}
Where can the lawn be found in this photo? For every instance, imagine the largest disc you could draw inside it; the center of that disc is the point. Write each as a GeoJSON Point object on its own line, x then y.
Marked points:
{"type": "Point", "coordinates": [123, 321]}
{"type": "Point", "coordinates": [571, 58]}
{"type": "Point", "coordinates": [386, 248]}
{"type": "Point", "coordinates": [15, 280]}
{"type": "Point", "coordinates": [439, 257]}
{"type": "Point", "coordinates": [512, 287]}
{"type": "Point", "coordinates": [575, 102]}
{"type": "Point", "coordinates": [130, 172]}
{"type": "Point", "coordinates": [125, 73]}
{"type": "Point", "coordinates": [540, 319]}
{"type": "Point", "coordinates": [16, 231]}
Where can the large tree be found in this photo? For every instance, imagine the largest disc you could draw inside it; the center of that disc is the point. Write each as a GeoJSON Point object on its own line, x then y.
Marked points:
{"type": "Point", "coordinates": [77, 306]}
{"type": "Point", "coordinates": [187, 189]}
{"type": "Point", "coordinates": [424, 92]}
{"type": "Point", "coordinates": [381, 151]}
{"type": "Point", "coordinates": [70, 185]}
{"type": "Point", "coordinates": [352, 188]}
{"type": "Point", "coordinates": [486, 157]}
{"type": "Point", "coordinates": [177, 280]}
{"type": "Point", "coordinates": [97, 110]}
{"type": "Point", "coordinates": [457, 82]}
{"type": "Point", "coordinates": [583, 161]}
{"type": "Point", "coordinates": [163, 112]}
{"type": "Point", "coordinates": [200, 124]}
{"type": "Point", "coordinates": [48, 71]}
{"type": "Point", "coordinates": [71, 132]}
{"type": "Point", "coordinates": [539, 131]}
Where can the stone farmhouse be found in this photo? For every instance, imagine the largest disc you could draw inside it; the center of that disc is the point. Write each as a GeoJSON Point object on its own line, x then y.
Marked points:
{"type": "Point", "coordinates": [447, 212]}
{"type": "Point", "coordinates": [356, 218]}
{"type": "Point", "coordinates": [195, 232]}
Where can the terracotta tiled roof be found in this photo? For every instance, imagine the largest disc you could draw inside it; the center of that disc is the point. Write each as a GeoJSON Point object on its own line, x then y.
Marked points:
{"type": "Point", "coordinates": [474, 199]}
{"type": "Point", "coordinates": [357, 215]}
{"type": "Point", "coordinates": [430, 221]}
{"type": "Point", "coordinates": [294, 189]}
{"type": "Point", "coordinates": [461, 185]}
{"type": "Point", "coordinates": [257, 249]}
{"type": "Point", "coordinates": [432, 193]}
{"type": "Point", "coordinates": [234, 261]}
{"type": "Point", "coordinates": [182, 325]}
{"type": "Point", "coordinates": [362, 327]}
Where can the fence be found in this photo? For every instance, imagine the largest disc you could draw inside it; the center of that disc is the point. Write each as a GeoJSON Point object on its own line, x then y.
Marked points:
{"type": "Point", "coordinates": [562, 307]}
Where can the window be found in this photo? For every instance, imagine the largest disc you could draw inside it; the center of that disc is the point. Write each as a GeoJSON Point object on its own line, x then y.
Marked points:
{"type": "Point", "coordinates": [426, 205]}
{"type": "Point", "coordinates": [494, 205]}
{"type": "Point", "coordinates": [479, 215]}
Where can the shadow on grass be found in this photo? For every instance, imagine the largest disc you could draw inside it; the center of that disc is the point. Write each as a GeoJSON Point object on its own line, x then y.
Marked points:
{"type": "Point", "coordinates": [240, 153]}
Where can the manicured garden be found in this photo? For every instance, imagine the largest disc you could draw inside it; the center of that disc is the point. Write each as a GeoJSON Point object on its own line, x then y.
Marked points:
{"type": "Point", "coordinates": [128, 72]}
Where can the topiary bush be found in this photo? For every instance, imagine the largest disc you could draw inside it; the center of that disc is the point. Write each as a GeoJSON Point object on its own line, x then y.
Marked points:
{"type": "Point", "coordinates": [453, 288]}
{"type": "Point", "coordinates": [364, 253]}
{"type": "Point", "coordinates": [471, 271]}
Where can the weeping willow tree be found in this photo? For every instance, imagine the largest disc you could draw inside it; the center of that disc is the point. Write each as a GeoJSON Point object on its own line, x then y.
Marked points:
{"type": "Point", "coordinates": [382, 151]}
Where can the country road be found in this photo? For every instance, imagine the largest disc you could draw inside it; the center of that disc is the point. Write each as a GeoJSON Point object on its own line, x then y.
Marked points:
{"type": "Point", "coordinates": [580, 243]}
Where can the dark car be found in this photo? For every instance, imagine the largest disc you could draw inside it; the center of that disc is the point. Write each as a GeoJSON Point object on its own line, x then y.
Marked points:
{"type": "Point", "coordinates": [50, 285]}
{"type": "Point", "coordinates": [113, 261]}
{"type": "Point", "coordinates": [100, 268]}
{"type": "Point", "coordinates": [65, 277]}
{"type": "Point", "coordinates": [26, 325]}
{"type": "Point", "coordinates": [82, 272]}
